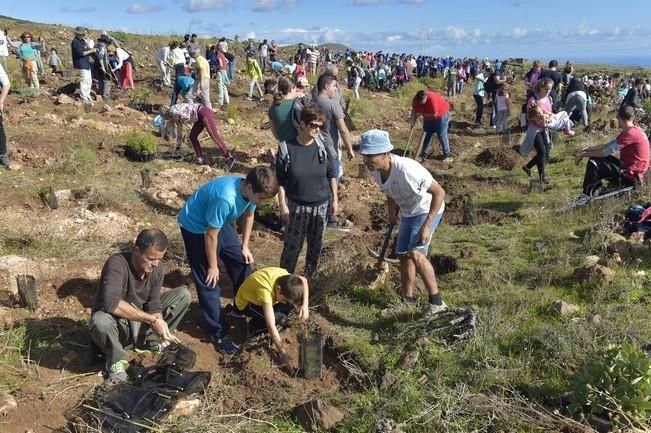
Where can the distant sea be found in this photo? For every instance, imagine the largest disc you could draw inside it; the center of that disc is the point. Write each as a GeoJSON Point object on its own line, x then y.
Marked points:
{"type": "Point", "coordinates": [643, 61]}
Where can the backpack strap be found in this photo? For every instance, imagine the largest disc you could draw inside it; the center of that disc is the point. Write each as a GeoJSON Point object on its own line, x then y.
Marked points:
{"type": "Point", "coordinates": [323, 153]}
{"type": "Point", "coordinates": [283, 155]}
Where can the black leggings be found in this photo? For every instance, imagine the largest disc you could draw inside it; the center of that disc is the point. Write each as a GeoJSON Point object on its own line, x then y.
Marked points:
{"type": "Point", "coordinates": [3, 138]}
{"type": "Point", "coordinates": [257, 325]}
{"type": "Point", "coordinates": [539, 160]}
{"type": "Point", "coordinates": [599, 169]}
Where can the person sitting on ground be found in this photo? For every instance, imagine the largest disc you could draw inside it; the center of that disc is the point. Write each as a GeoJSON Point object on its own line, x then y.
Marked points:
{"type": "Point", "coordinates": [129, 296]}
{"type": "Point", "coordinates": [633, 146]}
{"type": "Point", "coordinates": [267, 297]}
{"type": "Point", "coordinates": [436, 116]}
{"type": "Point", "coordinates": [207, 226]}
{"type": "Point", "coordinates": [54, 61]}
{"type": "Point", "coordinates": [412, 191]}
{"type": "Point", "coordinates": [632, 97]}
{"type": "Point", "coordinates": [200, 117]}
{"type": "Point", "coordinates": [308, 190]}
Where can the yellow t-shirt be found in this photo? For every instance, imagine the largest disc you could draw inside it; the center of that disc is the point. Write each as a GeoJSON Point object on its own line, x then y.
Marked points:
{"type": "Point", "coordinates": [258, 288]}
{"type": "Point", "coordinates": [202, 68]}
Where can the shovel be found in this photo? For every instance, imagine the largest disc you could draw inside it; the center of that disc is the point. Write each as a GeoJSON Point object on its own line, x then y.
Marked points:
{"type": "Point", "coordinates": [381, 257]}
{"type": "Point", "coordinates": [411, 132]}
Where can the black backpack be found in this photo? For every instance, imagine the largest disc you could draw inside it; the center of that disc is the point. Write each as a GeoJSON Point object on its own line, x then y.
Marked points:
{"type": "Point", "coordinates": [284, 159]}
{"type": "Point", "coordinates": [490, 86]}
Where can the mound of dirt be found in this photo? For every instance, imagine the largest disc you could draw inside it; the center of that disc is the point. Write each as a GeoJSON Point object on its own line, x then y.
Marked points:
{"type": "Point", "coordinates": [496, 157]}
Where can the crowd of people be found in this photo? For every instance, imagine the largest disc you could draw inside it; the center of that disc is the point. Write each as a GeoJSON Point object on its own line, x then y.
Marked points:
{"type": "Point", "coordinates": [313, 138]}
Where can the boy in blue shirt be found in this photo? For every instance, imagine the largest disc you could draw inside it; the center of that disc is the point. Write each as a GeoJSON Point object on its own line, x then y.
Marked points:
{"type": "Point", "coordinates": [207, 225]}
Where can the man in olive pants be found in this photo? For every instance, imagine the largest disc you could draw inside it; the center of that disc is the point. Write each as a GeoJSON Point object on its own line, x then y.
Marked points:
{"type": "Point", "coordinates": [129, 296]}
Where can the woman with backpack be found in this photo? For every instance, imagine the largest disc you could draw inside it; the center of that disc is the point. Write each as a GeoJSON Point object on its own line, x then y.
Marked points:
{"type": "Point", "coordinates": [280, 112]}
{"type": "Point", "coordinates": [307, 179]}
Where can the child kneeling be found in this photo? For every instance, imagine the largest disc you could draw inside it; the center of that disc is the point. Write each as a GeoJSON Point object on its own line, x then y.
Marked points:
{"type": "Point", "coordinates": [267, 297]}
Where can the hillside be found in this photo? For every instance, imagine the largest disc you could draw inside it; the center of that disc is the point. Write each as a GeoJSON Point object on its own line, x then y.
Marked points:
{"type": "Point", "coordinates": [505, 253]}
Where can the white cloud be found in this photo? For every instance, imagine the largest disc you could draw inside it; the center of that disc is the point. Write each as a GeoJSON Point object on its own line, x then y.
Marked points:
{"type": "Point", "coordinates": [584, 29]}
{"type": "Point", "coordinates": [294, 30]}
{"type": "Point", "coordinates": [203, 5]}
{"type": "Point", "coordinates": [393, 38]}
{"type": "Point", "coordinates": [250, 35]}
{"type": "Point", "coordinates": [142, 8]}
{"type": "Point", "coordinates": [518, 32]}
{"type": "Point", "coordinates": [455, 33]}
{"type": "Point", "coordinates": [81, 10]}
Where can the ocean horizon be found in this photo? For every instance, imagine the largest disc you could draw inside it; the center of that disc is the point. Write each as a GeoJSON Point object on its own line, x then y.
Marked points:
{"type": "Point", "coordinates": [641, 61]}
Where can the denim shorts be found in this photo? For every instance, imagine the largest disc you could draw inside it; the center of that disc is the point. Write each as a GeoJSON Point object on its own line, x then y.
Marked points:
{"type": "Point", "coordinates": [408, 234]}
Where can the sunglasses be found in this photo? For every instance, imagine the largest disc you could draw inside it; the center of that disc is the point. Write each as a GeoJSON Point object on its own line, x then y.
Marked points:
{"type": "Point", "coordinates": [314, 125]}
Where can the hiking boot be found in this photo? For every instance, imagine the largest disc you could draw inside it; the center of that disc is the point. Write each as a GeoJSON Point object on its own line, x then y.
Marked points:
{"type": "Point", "coordinates": [4, 160]}
{"type": "Point", "coordinates": [225, 345]}
{"type": "Point", "coordinates": [334, 225]}
{"type": "Point", "coordinates": [432, 310]}
{"type": "Point", "coordinates": [401, 307]}
{"type": "Point", "coordinates": [527, 170]}
{"type": "Point", "coordinates": [117, 371]}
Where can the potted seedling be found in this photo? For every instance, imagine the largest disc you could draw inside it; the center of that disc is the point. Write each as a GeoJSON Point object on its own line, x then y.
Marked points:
{"type": "Point", "coordinates": [141, 147]}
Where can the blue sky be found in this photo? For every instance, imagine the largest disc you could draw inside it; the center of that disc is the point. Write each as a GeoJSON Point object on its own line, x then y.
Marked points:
{"type": "Point", "coordinates": [493, 28]}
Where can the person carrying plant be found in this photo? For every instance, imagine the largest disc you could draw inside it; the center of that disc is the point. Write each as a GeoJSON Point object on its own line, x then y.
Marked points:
{"type": "Point", "coordinates": [207, 223]}
{"type": "Point", "coordinates": [412, 190]}
{"type": "Point", "coordinates": [199, 117]}
{"type": "Point", "coordinates": [267, 297]}
{"type": "Point", "coordinates": [129, 307]}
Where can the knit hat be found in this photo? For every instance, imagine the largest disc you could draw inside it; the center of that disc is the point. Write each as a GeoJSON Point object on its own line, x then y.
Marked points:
{"type": "Point", "coordinates": [374, 142]}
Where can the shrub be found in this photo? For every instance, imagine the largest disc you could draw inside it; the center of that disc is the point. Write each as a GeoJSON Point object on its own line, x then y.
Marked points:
{"type": "Point", "coordinates": [141, 143]}
{"type": "Point", "coordinates": [616, 382]}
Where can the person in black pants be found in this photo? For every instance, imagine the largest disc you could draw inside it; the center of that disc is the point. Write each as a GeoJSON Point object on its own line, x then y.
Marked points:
{"type": "Point", "coordinates": [541, 146]}
{"type": "Point", "coordinates": [5, 85]}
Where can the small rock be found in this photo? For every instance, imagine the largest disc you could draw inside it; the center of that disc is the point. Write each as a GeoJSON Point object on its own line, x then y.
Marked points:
{"type": "Point", "coordinates": [423, 379]}
{"type": "Point", "coordinates": [7, 405]}
{"type": "Point", "coordinates": [230, 121]}
{"type": "Point", "coordinates": [316, 414]}
{"type": "Point", "coordinates": [479, 400]}
{"type": "Point", "coordinates": [14, 166]}
{"type": "Point", "coordinates": [423, 341]}
{"type": "Point", "coordinates": [387, 380]}
{"type": "Point", "coordinates": [590, 261]}
{"type": "Point", "coordinates": [595, 318]}
{"type": "Point", "coordinates": [64, 99]}
{"type": "Point", "coordinates": [636, 238]}
{"type": "Point", "coordinates": [375, 338]}
{"type": "Point", "coordinates": [562, 308]}
{"type": "Point", "coordinates": [349, 224]}
{"type": "Point", "coordinates": [618, 244]}
{"type": "Point", "coordinates": [410, 360]}
{"type": "Point", "coordinates": [186, 407]}
{"type": "Point", "coordinates": [596, 275]}
{"type": "Point", "coordinates": [615, 260]}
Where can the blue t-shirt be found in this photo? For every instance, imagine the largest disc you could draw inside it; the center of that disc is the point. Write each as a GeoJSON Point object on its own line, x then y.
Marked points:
{"type": "Point", "coordinates": [214, 204]}
{"type": "Point", "coordinates": [183, 83]}
{"type": "Point", "coordinates": [27, 51]}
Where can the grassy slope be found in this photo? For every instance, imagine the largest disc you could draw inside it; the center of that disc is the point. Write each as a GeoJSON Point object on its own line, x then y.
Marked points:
{"type": "Point", "coordinates": [516, 270]}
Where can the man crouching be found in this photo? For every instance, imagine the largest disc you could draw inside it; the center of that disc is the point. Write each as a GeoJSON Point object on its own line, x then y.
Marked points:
{"type": "Point", "coordinates": [128, 296]}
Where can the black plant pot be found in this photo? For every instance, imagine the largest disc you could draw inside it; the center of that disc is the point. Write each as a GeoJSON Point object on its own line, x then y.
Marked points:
{"type": "Point", "coordinates": [132, 155]}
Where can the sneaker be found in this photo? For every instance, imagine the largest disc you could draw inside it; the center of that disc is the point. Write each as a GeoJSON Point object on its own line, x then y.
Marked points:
{"type": "Point", "coordinates": [527, 170]}
{"type": "Point", "coordinates": [150, 347]}
{"type": "Point", "coordinates": [545, 181]}
{"type": "Point", "coordinates": [393, 310]}
{"type": "Point", "coordinates": [569, 132]}
{"type": "Point", "coordinates": [4, 160]}
{"type": "Point", "coordinates": [248, 98]}
{"type": "Point", "coordinates": [117, 371]}
{"type": "Point", "coordinates": [334, 225]}
{"type": "Point", "coordinates": [448, 159]}
{"type": "Point", "coordinates": [432, 310]}
{"type": "Point", "coordinates": [225, 345]}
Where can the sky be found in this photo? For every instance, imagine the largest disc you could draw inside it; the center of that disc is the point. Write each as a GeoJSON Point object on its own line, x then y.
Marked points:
{"type": "Point", "coordinates": [486, 28]}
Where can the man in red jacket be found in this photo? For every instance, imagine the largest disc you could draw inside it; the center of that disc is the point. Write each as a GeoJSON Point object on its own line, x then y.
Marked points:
{"type": "Point", "coordinates": [436, 116]}
{"type": "Point", "coordinates": [633, 146]}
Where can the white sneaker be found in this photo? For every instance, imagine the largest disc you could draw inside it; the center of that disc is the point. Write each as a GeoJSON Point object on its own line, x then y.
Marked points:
{"type": "Point", "coordinates": [431, 311]}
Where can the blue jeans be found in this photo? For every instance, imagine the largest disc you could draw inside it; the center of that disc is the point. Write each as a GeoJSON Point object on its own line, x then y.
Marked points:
{"type": "Point", "coordinates": [408, 234]}
{"type": "Point", "coordinates": [438, 126]}
{"type": "Point", "coordinates": [229, 250]}
{"type": "Point", "coordinates": [231, 69]}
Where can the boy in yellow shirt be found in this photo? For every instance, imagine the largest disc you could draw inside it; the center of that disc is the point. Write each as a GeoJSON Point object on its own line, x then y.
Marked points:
{"type": "Point", "coordinates": [267, 296]}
